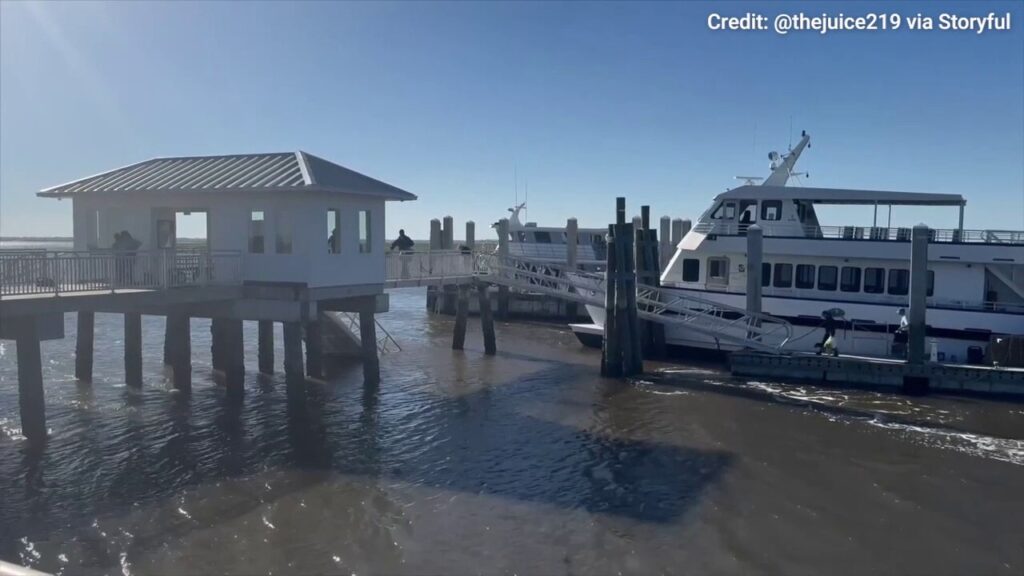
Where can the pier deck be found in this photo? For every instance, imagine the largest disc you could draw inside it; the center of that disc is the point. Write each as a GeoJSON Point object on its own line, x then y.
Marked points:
{"type": "Point", "coordinates": [881, 372]}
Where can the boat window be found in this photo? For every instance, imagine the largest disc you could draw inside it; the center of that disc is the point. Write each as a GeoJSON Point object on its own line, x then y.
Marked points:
{"type": "Point", "coordinates": [874, 280]}
{"type": "Point", "coordinates": [256, 232]}
{"type": "Point", "coordinates": [718, 270]}
{"type": "Point", "coordinates": [521, 236]}
{"type": "Point", "coordinates": [691, 269]}
{"type": "Point", "coordinates": [748, 211]}
{"type": "Point", "coordinates": [333, 231]}
{"type": "Point", "coordinates": [827, 277]}
{"type": "Point", "coordinates": [783, 276]}
{"type": "Point", "coordinates": [805, 276]}
{"type": "Point", "coordinates": [724, 211]}
{"type": "Point", "coordinates": [849, 279]}
{"type": "Point", "coordinates": [766, 274]}
{"type": "Point", "coordinates": [542, 237]}
{"type": "Point", "coordinates": [899, 281]}
{"type": "Point", "coordinates": [771, 210]}
{"type": "Point", "coordinates": [364, 232]}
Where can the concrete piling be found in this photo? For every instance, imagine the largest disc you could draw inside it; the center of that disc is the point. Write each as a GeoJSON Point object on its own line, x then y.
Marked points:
{"type": "Point", "coordinates": [686, 226]}
{"type": "Point", "coordinates": [31, 402]}
{"type": "Point", "coordinates": [572, 241]}
{"type": "Point", "coordinates": [234, 358]}
{"type": "Point", "coordinates": [133, 349]}
{"type": "Point", "coordinates": [368, 338]}
{"type": "Point", "coordinates": [266, 346]}
{"type": "Point", "coordinates": [293, 368]}
{"type": "Point", "coordinates": [85, 331]}
{"type": "Point", "coordinates": [471, 235]}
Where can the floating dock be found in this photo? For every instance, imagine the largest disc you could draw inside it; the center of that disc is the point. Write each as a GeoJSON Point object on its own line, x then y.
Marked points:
{"type": "Point", "coordinates": [881, 372]}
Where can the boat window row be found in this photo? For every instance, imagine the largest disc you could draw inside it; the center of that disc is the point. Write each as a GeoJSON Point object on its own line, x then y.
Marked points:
{"type": "Point", "coordinates": [771, 210]}
{"type": "Point", "coordinates": [283, 229]}
{"type": "Point", "coordinates": [545, 237]}
{"type": "Point", "coordinates": [826, 278]}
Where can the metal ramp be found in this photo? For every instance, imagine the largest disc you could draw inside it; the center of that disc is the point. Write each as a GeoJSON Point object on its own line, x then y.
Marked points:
{"type": "Point", "coordinates": [720, 322]}
{"type": "Point", "coordinates": [341, 335]}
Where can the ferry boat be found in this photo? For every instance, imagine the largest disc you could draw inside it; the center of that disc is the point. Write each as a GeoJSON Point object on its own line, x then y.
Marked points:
{"type": "Point", "coordinates": [548, 244]}
{"type": "Point", "coordinates": [975, 277]}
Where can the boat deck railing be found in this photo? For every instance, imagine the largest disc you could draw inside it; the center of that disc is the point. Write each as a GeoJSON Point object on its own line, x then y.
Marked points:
{"type": "Point", "coordinates": [871, 233]}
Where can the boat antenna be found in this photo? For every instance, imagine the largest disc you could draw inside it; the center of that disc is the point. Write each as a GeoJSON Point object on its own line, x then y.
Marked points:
{"type": "Point", "coordinates": [515, 181]}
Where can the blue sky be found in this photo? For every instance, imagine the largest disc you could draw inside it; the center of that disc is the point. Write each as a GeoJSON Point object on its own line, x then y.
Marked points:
{"type": "Point", "coordinates": [586, 101]}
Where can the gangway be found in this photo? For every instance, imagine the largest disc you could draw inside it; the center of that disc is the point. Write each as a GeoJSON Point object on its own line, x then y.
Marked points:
{"type": "Point", "coordinates": [756, 331]}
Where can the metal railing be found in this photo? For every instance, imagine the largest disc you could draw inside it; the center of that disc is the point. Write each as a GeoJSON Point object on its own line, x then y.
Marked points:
{"type": "Point", "coordinates": [874, 233]}
{"type": "Point", "coordinates": [429, 265]}
{"type": "Point", "coordinates": [713, 319]}
{"type": "Point", "coordinates": [58, 272]}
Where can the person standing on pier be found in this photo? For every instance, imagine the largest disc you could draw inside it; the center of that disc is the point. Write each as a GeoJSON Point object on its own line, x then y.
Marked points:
{"type": "Point", "coordinates": [403, 242]}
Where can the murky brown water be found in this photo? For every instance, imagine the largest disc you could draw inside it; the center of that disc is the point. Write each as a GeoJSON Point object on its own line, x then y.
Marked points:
{"type": "Point", "coordinates": [526, 462]}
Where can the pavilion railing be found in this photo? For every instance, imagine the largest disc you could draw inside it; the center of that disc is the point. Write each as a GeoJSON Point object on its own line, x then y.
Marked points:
{"type": "Point", "coordinates": [58, 272]}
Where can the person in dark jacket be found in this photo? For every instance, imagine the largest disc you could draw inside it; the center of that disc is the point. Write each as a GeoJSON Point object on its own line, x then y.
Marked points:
{"type": "Point", "coordinates": [829, 325]}
{"type": "Point", "coordinates": [403, 243]}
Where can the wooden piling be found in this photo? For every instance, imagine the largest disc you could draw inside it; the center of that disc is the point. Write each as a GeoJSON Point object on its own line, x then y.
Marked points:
{"type": "Point", "coordinates": [436, 242]}
{"type": "Point", "coordinates": [182, 366]}
{"type": "Point", "coordinates": [169, 342]}
{"type": "Point", "coordinates": [918, 294]}
{"type": "Point", "coordinates": [31, 402]}
{"type": "Point", "coordinates": [677, 232]}
{"type": "Point", "coordinates": [314, 349]}
{"type": "Point", "coordinates": [266, 346]}
{"type": "Point", "coordinates": [503, 251]}
{"type": "Point", "coordinates": [234, 358]}
{"type": "Point", "coordinates": [665, 247]}
{"type": "Point", "coordinates": [486, 319]}
{"type": "Point", "coordinates": [85, 331]}
{"type": "Point", "coordinates": [448, 233]}
{"type": "Point", "coordinates": [368, 337]}
{"type": "Point", "coordinates": [293, 368]}
{"type": "Point", "coordinates": [755, 251]}
{"type": "Point", "coordinates": [471, 235]}
{"type": "Point", "coordinates": [572, 245]}
{"type": "Point", "coordinates": [217, 343]}
{"type": "Point", "coordinates": [133, 349]}
{"type": "Point", "coordinates": [611, 356]}
{"type": "Point", "coordinates": [461, 317]}
{"type": "Point", "coordinates": [632, 351]}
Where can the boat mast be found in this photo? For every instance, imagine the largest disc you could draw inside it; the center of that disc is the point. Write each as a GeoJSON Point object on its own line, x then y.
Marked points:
{"type": "Point", "coordinates": [782, 166]}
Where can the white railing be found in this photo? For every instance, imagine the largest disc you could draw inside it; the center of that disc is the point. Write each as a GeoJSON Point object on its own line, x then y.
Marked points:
{"type": "Point", "coordinates": [429, 265]}
{"type": "Point", "coordinates": [1010, 237]}
{"type": "Point", "coordinates": [59, 272]}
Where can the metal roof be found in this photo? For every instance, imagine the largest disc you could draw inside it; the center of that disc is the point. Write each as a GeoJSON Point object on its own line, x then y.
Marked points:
{"type": "Point", "coordinates": [283, 171]}
{"type": "Point", "coordinates": [842, 196]}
